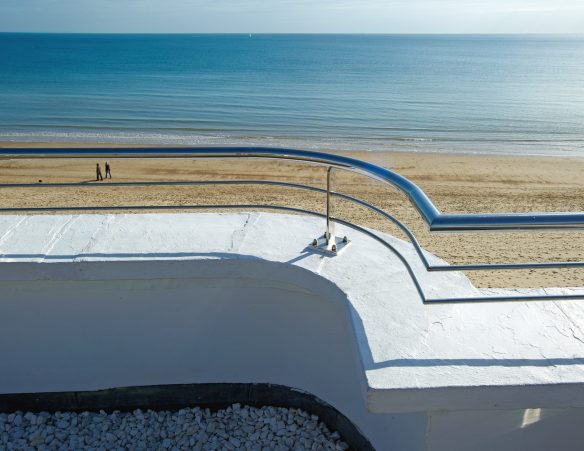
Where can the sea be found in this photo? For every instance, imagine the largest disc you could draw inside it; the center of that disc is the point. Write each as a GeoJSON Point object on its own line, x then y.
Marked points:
{"type": "Point", "coordinates": [508, 94]}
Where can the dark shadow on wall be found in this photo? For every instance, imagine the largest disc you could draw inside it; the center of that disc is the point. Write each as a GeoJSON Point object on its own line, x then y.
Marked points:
{"type": "Point", "coordinates": [366, 356]}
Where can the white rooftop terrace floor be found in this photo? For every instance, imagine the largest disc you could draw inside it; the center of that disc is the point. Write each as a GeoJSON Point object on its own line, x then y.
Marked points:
{"type": "Point", "coordinates": [415, 357]}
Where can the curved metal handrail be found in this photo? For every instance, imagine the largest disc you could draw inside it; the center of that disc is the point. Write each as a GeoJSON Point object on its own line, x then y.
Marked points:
{"type": "Point", "coordinates": [437, 221]}
{"type": "Point", "coordinates": [411, 273]}
{"type": "Point", "coordinates": [409, 234]}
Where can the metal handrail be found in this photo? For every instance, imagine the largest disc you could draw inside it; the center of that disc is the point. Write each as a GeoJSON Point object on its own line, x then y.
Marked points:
{"type": "Point", "coordinates": [435, 220]}
{"type": "Point", "coordinates": [409, 234]}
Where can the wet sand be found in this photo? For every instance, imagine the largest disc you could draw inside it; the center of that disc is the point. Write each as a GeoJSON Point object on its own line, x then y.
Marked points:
{"type": "Point", "coordinates": [455, 183]}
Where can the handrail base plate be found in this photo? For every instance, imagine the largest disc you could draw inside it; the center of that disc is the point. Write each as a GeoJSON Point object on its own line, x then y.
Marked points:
{"type": "Point", "coordinates": [332, 249]}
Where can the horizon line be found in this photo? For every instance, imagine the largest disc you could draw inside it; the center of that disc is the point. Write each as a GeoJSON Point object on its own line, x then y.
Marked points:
{"type": "Point", "coordinates": [298, 33]}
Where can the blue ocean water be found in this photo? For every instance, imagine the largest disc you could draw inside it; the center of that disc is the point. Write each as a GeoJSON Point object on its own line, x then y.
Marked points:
{"type": "Point", "coordinates": [508, 94]}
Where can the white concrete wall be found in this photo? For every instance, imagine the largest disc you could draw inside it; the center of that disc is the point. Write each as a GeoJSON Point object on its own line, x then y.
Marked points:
{"type": "Point", "coordinates": [98, 301]}
{"type": "Point", "coordinates": [507, 430]}
{"type": "Point", "coordinates": [291, 329]}
{"type": "Point", "coordinates": [95, 334]}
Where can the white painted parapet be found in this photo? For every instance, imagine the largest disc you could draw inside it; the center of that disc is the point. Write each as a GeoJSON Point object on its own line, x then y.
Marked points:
{"type": "Point", "coordinates": [98, 301]}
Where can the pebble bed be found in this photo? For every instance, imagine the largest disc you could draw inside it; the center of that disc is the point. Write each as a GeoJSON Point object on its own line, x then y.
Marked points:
{"type": "Point", "coordinates": [237, 427]}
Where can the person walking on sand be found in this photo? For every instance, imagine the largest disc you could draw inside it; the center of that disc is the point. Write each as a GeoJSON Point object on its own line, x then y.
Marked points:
{"type": "Point", "coordinates": [108, 170]}
{"type": "Point", "coordinates": [98, 175]}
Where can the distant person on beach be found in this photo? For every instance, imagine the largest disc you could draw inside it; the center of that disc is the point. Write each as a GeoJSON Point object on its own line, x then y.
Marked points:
{"type": "Point", "coordinates": [108, 170]}
{"type": "Point", "coordinates": [98, 175]}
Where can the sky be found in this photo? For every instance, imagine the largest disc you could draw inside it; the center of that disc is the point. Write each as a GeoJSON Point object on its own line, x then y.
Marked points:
{"type": "Point", "coordinates": [293, 16]}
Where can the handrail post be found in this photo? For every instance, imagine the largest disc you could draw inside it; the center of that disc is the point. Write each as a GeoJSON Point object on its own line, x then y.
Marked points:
{"type": "Point", "coordinates": [330, 224]}
{"type": "Point", "coordinates": [328, 243]}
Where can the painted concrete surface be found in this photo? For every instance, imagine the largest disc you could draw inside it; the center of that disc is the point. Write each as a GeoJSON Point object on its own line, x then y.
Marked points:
{"type": "Point", "coordinates": [413, 357]}
{"type": "Point", "coordinates": [95, 334]}
{"type": "Point", "coordinates": [506, 430]}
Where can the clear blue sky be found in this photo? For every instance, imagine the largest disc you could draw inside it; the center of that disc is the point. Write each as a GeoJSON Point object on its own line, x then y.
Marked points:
{"type": "Point", "coordinates": [295, 16]}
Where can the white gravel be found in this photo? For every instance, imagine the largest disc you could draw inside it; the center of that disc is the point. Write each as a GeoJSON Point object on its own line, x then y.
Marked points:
{"type": "Point", "coordinates": [237, 427]}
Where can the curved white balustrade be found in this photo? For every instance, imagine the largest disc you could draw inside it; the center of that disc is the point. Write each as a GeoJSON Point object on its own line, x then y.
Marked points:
{"type": "Point", "coordinates": [100, 301]}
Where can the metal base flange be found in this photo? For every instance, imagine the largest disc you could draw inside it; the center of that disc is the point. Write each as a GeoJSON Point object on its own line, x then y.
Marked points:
{"type": "Point", "coordinates": [335, 247]}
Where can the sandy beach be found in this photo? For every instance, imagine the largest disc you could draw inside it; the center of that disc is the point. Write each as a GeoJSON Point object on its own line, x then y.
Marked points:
{"type": "Point", "coordinates": [456, 183]}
